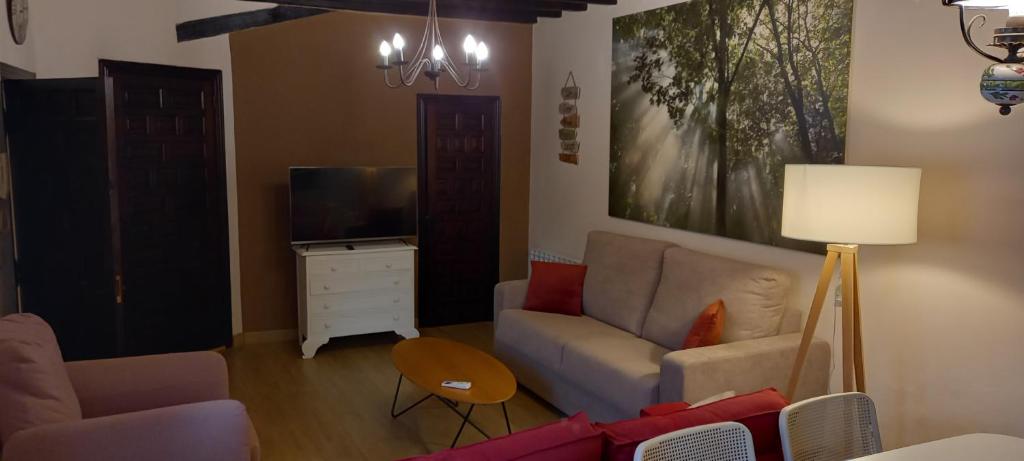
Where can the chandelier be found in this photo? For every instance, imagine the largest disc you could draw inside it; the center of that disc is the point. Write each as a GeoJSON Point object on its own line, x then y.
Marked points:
{"type": "Point", "coordinates": [1002, 83]}
{"type": "Point", "coordinates": [437, 63]}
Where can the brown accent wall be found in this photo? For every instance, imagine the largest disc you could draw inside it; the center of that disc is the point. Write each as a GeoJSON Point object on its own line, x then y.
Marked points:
{"type": "Point", "coordinates": [307, 94]}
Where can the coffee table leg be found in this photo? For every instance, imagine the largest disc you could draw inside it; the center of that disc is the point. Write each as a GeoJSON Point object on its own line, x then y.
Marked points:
{"type": "Point", "coordinates": [508, 425]}
{"type": "Point", "coordinates": [465, 420]}
{"type": "Point", "coordinates": [395, 401]}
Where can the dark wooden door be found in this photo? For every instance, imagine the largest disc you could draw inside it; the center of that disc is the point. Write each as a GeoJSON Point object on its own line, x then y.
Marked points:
{"type": "Point", "coordinates": [165, 152]}
{"type": "Point", "coordinates": [59, 175]}
{"type": "Point", "coordinates": [459, 168]}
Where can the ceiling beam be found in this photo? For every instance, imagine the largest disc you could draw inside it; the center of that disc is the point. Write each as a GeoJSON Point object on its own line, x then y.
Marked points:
{"type": "Point", "coordinates": [458, 9]}
{"type": "Point", "coordinates": [219, 25]}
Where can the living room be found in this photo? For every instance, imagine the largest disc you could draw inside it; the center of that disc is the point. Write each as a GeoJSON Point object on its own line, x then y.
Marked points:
{"type": "Point", "coordinates": [584, 149]}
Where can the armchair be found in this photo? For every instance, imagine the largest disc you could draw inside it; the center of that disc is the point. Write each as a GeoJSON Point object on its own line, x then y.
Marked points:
{"type": "Point", "coordinates": [159, 407]}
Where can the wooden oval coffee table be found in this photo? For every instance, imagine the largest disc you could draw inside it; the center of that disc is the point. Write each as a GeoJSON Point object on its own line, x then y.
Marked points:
{"type": "Point", "coordinates": [429, 361]}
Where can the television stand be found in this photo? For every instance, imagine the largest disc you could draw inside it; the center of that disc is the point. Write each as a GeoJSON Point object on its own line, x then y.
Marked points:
{"type": "Point", "coordinates": [353, 289]}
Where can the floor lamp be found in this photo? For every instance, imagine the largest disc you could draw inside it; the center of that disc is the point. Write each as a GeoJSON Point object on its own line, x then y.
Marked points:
{"type": "Point", "coordinates": [855, 205]}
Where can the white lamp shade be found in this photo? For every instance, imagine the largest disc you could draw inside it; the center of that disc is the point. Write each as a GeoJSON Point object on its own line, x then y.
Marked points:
{"type": "Point", "coordinates": [851, 204]}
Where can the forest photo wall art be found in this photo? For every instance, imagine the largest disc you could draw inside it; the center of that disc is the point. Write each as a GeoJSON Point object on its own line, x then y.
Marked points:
{"type": "Point", "coordinates": [749, 84]}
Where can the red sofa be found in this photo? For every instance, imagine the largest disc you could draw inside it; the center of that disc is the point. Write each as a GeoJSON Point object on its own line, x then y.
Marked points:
{"type": "Point", "coordinates": [577, 439]}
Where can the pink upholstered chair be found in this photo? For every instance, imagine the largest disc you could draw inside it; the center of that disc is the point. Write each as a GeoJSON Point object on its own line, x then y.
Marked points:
{"type": "Point", "coordinates": [156, 408]}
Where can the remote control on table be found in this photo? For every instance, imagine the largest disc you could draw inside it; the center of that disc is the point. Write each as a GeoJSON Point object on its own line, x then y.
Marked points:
{"type": "Point", "coordinates": [461, 385]}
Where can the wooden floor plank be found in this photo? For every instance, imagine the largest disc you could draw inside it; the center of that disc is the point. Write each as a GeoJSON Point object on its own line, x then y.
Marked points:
{"type": "Point", "coordinates": [336, 405]}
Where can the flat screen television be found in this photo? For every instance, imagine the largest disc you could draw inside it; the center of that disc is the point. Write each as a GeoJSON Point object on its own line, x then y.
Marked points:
{"type": "Point", "coordinates": [347, 204]}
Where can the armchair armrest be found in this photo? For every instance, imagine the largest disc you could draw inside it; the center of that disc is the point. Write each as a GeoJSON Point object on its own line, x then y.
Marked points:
{"type": "Point", "coordinates": [213, 431]}
{"type": "Point", "coordinates": [744, 366]}
{"type": "Point", "coordinates": [123, 385]}
{"type": "Point", "coordinates": [509, 295]}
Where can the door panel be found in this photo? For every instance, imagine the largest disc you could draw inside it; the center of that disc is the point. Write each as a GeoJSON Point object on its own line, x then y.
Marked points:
{"type": "Point", "coordinates": [165, 144]}
{"type": "Point", "coordinates": [59, 177]}
{"type": "Point", "coordinates": [459, 179]}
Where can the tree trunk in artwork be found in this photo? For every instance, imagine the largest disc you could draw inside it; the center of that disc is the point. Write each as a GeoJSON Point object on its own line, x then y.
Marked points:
{"type": "Point", "coordinates": [721, 15]}
{"type": "Point", "coordinates": [793, 86]}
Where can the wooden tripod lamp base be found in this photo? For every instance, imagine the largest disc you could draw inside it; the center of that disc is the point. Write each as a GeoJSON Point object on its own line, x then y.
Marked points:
{"type": "Point", "coordinates": [853, 354]}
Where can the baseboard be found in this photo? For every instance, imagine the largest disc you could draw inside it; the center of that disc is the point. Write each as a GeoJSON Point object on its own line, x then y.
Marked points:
{"type": "Point", "coordinates": [268, 336]}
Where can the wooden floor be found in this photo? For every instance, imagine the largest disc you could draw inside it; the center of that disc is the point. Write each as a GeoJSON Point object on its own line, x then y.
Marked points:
{"type": "Point", "coordinates": [336, 406]}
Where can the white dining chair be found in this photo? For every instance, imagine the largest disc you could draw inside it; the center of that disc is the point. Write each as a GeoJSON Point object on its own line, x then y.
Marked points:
{"type": "Point", "coordinates": [830, 428]}
{"type": "Point", "coordinates": [712, 442]}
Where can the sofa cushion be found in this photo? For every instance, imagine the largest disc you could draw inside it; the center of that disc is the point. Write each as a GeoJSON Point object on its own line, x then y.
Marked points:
{"type": "Point", "coordinates": [622, 275]}
{"type": "Point", "coordinates": [624, 371]}
{"type": "Point", "coordinates": [755, 296]}
{"type": "Point", "coordinates": [541, 336]}
{"type": "Point", "coordinates": [556, 288]}
{"type": "Point", "coordinates": [34, 386]}
{"type": "Point", "coordinates": [570, 439]}
{"type": "Point", "coordinates": [662, 409]}
{"type": "Point", "coordinates": [755, 410]}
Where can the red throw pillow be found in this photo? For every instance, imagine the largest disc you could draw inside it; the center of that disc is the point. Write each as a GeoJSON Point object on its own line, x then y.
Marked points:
{"type": "Point", "coordinates": [555, 288]}
{"type": "Point", "coordinates": [570, 439]}
{"type": "Point", "coordinates": [707, 330]}
{"type": "Point", "coordinates": [752, 410]}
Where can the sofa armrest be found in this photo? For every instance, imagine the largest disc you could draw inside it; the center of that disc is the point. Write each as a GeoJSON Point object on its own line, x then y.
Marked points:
{"type": "Point", "coordinates": [214, 431]}
{"type": "Point", "coordinates": [123, 385]}
{"type": "Point", "coordinates": [744, 366]}
{"type": "Point", "coordinates": [509, 295]}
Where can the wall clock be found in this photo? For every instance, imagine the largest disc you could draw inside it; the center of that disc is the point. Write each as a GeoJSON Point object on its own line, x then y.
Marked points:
{"type": "Point", "coordinates": [17, 16]}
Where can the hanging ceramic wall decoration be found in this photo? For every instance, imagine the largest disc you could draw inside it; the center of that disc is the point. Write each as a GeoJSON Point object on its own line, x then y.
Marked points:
{"type": "Point", "coordinates": [570, 122]}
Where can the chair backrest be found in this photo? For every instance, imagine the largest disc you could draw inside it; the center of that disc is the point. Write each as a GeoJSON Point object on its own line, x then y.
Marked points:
{"type": "Point", "coordinates": [832, 427]}
{"type": "Point", "coordinates": [713, 442]}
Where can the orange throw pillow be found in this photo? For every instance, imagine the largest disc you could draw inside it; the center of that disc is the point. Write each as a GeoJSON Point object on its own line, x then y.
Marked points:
{"type": "Point", "coordinates": [707, 330]}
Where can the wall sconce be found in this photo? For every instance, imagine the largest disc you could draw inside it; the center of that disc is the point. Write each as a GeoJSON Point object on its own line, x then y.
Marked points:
{"type": "Point", "coordinates": [1002, 83]}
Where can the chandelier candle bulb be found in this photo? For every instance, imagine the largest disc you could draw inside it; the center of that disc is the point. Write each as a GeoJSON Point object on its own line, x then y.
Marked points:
{"type": "Point", "coordinates": [399, 44]}
{"type": "Point", "coordinates": [385, 53]}
{"type": "Point", "coordinates": [482, 53]}
{"type": "Point", "coordinates": [469, 46]}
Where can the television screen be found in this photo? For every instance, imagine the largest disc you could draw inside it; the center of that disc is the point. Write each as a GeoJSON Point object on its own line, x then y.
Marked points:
{"type": "Point", "coordinates": [334, 204]}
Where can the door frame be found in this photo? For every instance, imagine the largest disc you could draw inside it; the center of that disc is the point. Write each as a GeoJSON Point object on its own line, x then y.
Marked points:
{"type": "Point", "coordinates": [10, 72]}
{"type": "Point", "coordinates": [108, 137]}
{"type": "Point", "coordinates": [423, 210]}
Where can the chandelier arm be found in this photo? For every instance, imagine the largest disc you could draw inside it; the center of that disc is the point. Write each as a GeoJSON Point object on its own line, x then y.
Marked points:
{"type": "Point", "coordinates": [477, 84]}
{"type": "Point", "coordinates": [387, 79]}
{"type": "Point", "coordinates": [460, 80]}
{"type": "Point", "coordinates": [967, 28]}
{"type": "Point", "coordinates": [414, 72]}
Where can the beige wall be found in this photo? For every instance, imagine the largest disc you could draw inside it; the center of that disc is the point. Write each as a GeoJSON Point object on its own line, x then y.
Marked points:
{"type": "Point", "coordinates": [943, 319]}
{"type": "Point", "coordinates": [307, 94]}
{"type": "Point", "coordinates": [66, 38]}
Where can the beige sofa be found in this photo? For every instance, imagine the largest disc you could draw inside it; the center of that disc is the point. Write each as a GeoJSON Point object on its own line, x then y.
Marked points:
{"type": "Point", "coordinates": [640, 299]}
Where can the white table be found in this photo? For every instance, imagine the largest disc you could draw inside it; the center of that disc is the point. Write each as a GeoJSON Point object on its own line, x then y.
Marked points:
{"type": "Point", "coordinates": [971, 447]}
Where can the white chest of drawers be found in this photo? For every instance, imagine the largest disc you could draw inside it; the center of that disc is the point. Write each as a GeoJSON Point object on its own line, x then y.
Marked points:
{"type": "Point", "coordinates": [344, 291]}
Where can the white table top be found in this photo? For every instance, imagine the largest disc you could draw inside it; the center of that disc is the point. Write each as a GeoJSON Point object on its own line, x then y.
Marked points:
{"type": "Point", "coordinates": [971, 447]}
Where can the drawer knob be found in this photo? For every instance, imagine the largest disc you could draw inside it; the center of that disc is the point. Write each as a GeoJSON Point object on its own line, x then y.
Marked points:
{"type": "Point", "coordinates": [396, 282]}
{"type": "Point", "coordinates": [396, 300]}
{"type": "Point", "coordinates": [326, 288]}
{"type": "Point", "coordinates": [396, 318]}
{"type": "Point", "coordinates": [387, 266]}
{"type": "Point", "coordinates": [334, 269]}
{"type": "Point", "coordinates": [326, 307]}
{"type": "Point", "coordinates": [327, 326]}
